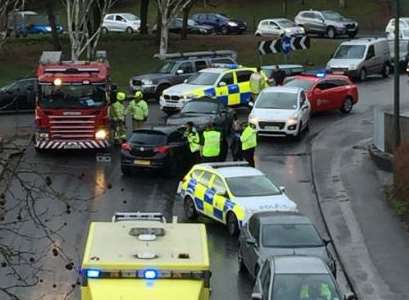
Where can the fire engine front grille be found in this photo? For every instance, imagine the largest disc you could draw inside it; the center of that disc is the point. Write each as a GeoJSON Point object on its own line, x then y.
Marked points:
{"type": "Point", "coordinates": [72, 127]}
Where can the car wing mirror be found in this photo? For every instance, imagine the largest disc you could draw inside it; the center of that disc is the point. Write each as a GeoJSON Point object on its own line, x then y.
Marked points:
{"type": "Point", "coordinates": [185, 81]}
{"type": "Point", "coordinates": [222, 83]}
{"type": "Point", "coordinates": [179, 72]}
{"type": "Point", "coordinates": [326, 241]}
{"type": "Point", "coordinates": [256, 296]}
{"type": "Point", "coordinates": [251, 241]}
{"type": "Point", "coordinates": [350, 296]}
{"type": "Point", "coordinates": [282, 189]}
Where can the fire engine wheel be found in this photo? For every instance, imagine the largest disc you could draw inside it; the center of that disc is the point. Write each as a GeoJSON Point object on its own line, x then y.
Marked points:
{"type": "Point", "coordinates": [232, 224]}
{"type": "Point", "coordinates": [39, 150]}
{"type": "Point", "coordinates": [190, 209]}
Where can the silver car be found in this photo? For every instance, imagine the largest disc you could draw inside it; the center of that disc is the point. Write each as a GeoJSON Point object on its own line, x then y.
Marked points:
{"type": "Point", "coordinates": [296, 277]}
{"type": "Point", "coordinates": [121, 22]}
{"type": "Point", "coordinates": [326, 22]}
{"type": "Point", "coordinates": [280, 233]}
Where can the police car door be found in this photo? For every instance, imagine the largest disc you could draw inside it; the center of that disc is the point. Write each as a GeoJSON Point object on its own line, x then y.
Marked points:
{"type": "Point", "coordinates": [220, 198]}
{"type": "Point", "coordinates": [225, 88]}
{"type": "Point", "coordinates": [243, 81]}
{"type": "Point", "coordinates": [204, 194]}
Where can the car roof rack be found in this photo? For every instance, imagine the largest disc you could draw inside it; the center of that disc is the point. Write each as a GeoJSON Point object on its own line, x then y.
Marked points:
{"type": "Point", "coordinates": [218, 165]}
{"type": "Point", "coordinates": [198, 54]}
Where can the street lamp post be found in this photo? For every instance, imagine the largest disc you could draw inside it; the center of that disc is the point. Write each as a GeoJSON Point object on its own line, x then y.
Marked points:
{"type": "Point", "coordinates": [396, 109]}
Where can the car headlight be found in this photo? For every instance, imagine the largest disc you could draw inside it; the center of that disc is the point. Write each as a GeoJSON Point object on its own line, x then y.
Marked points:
{"type": "Point", "coordinates": [253, 119]}
{"type": "Point", "coordinates": [301, 30]}
{"type": "Point", "coordinates": [147, 82]}
{"type": "Point", "coordinates": [292, 121]}
{"type": "Point", "coordinates": [339, 26]}
{"type": "Point", "coordinates": [232, 23]}
{"type": "Point", "coordinates": [353, 67]}
{"type": "Point", "coordinates": [101, 134]}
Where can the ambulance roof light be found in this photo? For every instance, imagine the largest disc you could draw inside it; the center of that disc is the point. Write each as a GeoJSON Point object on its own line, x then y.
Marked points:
{"type": "Point", "coordinates": [150, 274]}
{"type": "Point", "coordinates": [93, 273]}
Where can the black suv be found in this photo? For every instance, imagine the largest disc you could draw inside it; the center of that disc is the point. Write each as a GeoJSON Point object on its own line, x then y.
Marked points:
{"type": "Point", "coordinates": [222, 23]}
{"type": "Point", "coordinates": [176, 69]}
{"type": "Point", "coordinates": [18, 96]}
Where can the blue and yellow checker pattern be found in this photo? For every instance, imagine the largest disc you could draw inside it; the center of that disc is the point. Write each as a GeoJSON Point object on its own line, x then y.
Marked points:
{"type": "Point", "coordinates": [235, 94]}
{"type": "Point", "coordinates": [208, 202]}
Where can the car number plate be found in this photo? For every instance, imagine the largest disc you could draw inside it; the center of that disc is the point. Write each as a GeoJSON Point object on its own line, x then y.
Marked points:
{"type": "Point", "coordinates": [338, 72]}
{"type": "Point", "coordinates": [142, 162]}
{"type": "Point", "coordinates": [272, 128]}
{"type": "Point", "coordinates": [72, 146]}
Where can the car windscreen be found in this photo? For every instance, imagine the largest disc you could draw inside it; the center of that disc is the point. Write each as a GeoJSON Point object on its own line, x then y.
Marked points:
{"type": "Point", "coordinates": [277, 100]}
{"type": "Point", "coordinates": [144, 137]}
{"type": "Point", "coordinates": [204, 78]}
{"type": "Point", "coordinates": [167, 67]}
{"type": "Point", "coordinates": [202, 107]}
{"type": "Point", "coordinates": [286, 23]}
{"type": "Point", "coordinates": [332, 15]}
{"type": "Point", "coordinates": [252, 186]}
{"type": "Point", "coordinates": [350, 52]}
{"type": "Point", "coordinates": [191, 22]}
{"type": "Point", "coordinates": [290, 236]}
{"type": "Point", "coordinates": [304, 286]}
{"type": "Point", "coordinates": [72, 96]}
{"type": "Point", "coordinates": [300, 83]}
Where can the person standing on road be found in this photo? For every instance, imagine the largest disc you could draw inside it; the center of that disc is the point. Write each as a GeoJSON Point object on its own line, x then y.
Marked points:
{"type": "Point", "coordinates": [211, 141]}
{"type": "Point", "coordinates": [193, 139]}
{"type": "Point", "coordinates": [117, 116]}
{"type": "Point", "coordinates": [278, 75]}
{"type": "Point", "coordinates": [139, 110]}
{"type": "Point", "coordinates": [257, 83]}
{"type": "Point", "coordinates": [236, 143]}
{"type": "Point", "coordinates": [248, 140]}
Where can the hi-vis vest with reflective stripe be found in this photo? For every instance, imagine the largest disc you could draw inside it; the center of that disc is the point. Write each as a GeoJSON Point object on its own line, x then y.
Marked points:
{"type": "Point", "coordinates": [193, 139]}
{"type": "Point", "coordinates": [248, 138]}
{"type": "Point", "coordinates": [117, 111]}
{"type": "Point", "coordinates": [211, 146]}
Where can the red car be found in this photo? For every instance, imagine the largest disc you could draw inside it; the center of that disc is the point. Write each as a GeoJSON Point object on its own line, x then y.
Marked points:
{"type": "Point", "coordinates": [326, 92]}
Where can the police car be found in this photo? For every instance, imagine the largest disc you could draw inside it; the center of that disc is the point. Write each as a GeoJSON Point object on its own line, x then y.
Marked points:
{"type": "Point", "coordinates": [228, 83]}
{"type": "Point", "coordinates": [230, 193]}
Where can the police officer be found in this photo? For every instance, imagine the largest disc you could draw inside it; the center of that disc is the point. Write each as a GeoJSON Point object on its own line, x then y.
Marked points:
{"type": "Point", "coordinates": [278, 75]}
{"type": "Point", "coordinates": [235, 140]}
{"type": "Point", "coordinates": [117, 116]}
{"type": "Point", "coordinates": [211, 141]}
{"type": "Point", "coordinates": [315, 290]}
{"type": "Point", "coordinates": [138, 109]}
{"type": "Point", "coordinates": [193, 139]}
{"type": "Point", "coordinates": [248, 140]}
{"type": "Point", "coordinates": [257, 83]}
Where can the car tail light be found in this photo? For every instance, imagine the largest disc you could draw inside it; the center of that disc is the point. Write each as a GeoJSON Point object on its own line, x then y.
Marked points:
{"type": "Point", "coordinates": [126, 147]}
{"type": "Point", "coordinates": [161, 149]}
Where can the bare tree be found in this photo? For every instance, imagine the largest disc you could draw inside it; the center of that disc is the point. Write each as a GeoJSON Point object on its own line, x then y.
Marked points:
{"type": "Point", "coordinates": [7, 7]}
{"type": "Point", "coordinates": [168, 10]}
{"type": "Point", "coordinates": [144, 16]}
{"type": "Point", "coordinates": [80, 17]}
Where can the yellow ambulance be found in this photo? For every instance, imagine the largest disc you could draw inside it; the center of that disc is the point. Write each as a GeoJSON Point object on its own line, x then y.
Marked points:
{"type": "Point", "coordinates": [141, 256]}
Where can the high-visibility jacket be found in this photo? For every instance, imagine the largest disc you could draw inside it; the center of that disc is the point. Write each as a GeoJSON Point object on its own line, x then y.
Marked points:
{"type": "Point", "coordinates": [325, 292]}
{"type": "Point", "coordinates": [257, 83]}
{"type": "Point", "coordinates": [138, 110]}
{"type": "Point", "coordinates": [211, 144]}
{"type": "Point", "coordinates": [248, 138]}
{"type": "Point", "coordinates": [194, 140]}
{"type": "Point", "coordinates": [117, 111]}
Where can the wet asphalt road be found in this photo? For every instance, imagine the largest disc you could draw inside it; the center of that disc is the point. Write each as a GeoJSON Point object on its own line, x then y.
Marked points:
{"type": "Point", "coordinates": [97, 190]}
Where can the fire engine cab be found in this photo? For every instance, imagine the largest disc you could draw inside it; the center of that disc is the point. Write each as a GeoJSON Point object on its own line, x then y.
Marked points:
{"type": "Point", "coordinates": [72, 103]}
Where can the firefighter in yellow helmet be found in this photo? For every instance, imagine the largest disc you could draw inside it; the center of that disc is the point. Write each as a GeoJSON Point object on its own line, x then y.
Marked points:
{"type": "Point", "coordinates": [139, 110]}
{"type": "Point", "coordinates": [117, 116]}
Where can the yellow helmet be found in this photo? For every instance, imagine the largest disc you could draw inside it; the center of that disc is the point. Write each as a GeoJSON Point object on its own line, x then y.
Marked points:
{"type": "Point", "coordinates": [120, 96]}
{"type": "Point", "coordinates": [138, 95]}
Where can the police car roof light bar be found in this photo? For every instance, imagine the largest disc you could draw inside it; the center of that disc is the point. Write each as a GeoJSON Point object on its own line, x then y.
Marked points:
{"type": "Point", "coordinates": [214, 53]}
{"type": "Point", "coordinates": [138, 216]}
{"type": "Point", "coordinates": [217, 165]}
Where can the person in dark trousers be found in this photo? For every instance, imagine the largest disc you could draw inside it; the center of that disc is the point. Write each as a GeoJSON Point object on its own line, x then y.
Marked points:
{"type": "Point", "coordinates": [193, 139]}
{"type": "Point", "coordinates": [278, 75]}
{"type": "Point", "coordinates": [235, 146]}
{"type": "Point", "coordinates": [211, 142]}
{"type": "Point", "coordinates": [248, 140]}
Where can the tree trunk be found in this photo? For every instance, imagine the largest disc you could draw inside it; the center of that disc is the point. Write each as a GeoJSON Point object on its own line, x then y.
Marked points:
{"type": "Point", "coordinates": [158, 26]}
{"type": "Point", "coordinates": [342, 3]}
{"type": "Point", "coordinates": [53, 24]}
{"type": "Point", "coordinates": [164, 33]}
{"type": "Point", "coordinates": [144, 16]}
{"type": "Point", "coordinates": [186, 13]}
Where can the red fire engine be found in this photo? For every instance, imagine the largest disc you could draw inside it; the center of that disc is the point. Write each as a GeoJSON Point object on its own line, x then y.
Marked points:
{"type": "Point", "coordinates": [72, 103]}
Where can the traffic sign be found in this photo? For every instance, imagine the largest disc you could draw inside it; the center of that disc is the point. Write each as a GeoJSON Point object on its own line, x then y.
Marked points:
{"type": "Point", "coordinates": [284, 45]}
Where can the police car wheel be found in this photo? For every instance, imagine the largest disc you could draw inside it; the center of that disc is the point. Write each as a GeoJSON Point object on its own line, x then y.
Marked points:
{"type": "Point", "coordinates": [190, 209]}
{"type": "Point", "coordinates": [232, 224]}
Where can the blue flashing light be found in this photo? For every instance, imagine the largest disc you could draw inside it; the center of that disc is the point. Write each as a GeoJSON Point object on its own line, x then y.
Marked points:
{"type": "Point", "coordinates": [93, 273]}
{"type": "Point", "coordinates": [150, 274]}
{"type": "Point", "coordinates": [232, 66]}
{"type": "Point", "coordinates": [320, 75]}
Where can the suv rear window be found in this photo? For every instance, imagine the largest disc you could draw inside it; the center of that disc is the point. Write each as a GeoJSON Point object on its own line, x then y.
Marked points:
{"type": "Point", "coordinates": [148, 138]}
{"type": "Point", "coordinates": [224, 60]}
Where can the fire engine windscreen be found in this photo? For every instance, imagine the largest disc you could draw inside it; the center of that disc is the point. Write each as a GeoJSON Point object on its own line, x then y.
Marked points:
{"type": "Point", "coordinates": [73, 96]}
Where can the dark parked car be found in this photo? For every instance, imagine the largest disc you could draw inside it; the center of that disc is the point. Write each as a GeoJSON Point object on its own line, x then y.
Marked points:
{"type": "Point", "coordinates": [280, 233]}
{"type": "Point", "coordinates": [202, 111]}
{"type": "Point", "coordinates": [157, 148]}
{"type": "Point", "coordinates": [18, 96]}
{"type": "Point", "coordinates": [176, 69]}
{"type": "Point", "coordinates": [193, 27]}
{"type": "Point", "coordinates": [222, 23]}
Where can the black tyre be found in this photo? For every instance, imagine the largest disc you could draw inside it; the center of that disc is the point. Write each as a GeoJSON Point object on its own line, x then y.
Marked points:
{"type": "Point", "coordinates": [298, 135]}
{"type": "Point", "coordinates": [126, 171]}
{"type": "Point", "coordinates": [224, 31]}
{"type": "Point", "coordinates": [363, 74]}
{"type": "Point", "coordinates": [104, 30]}
{"type": "Point", "coordinates": [129, 30]}
{"type": "Point", "coordinates": [242, 266]}
{"type": "Point", "coordinates": [190, 209]}
{"type": "Point", "coordinates": [232, 224]}
{"type": "Point", "coordinates": [352, 34]}
{"type": "Point", "coordinates": [160, 90]}
{"type": "Point", "coordinates": [386, 71]}
{"type": "Point", "coordinates": [331, 32]}
{"type": "Point", "coordinates": [347, 105]}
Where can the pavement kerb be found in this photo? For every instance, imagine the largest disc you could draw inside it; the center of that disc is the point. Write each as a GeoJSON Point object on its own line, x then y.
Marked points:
{"type": "Point", "coordinates": [382, 159]}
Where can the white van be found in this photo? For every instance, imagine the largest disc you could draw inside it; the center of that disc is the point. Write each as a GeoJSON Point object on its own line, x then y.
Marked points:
{"type": "Point", "coordinates": [361, 57]}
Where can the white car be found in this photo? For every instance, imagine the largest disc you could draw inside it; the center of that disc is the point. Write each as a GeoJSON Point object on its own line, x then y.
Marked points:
{"type": "Point", "coordinates": [390, 28]}
{"type": "Point", "coordinates": [230, 192]}
{"type": "Point", "coordinates": [121, 22]}
{"type": "Point", "coordinates": [278, 27]}
{"type": "Point", "coordinates": [281, 111]}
